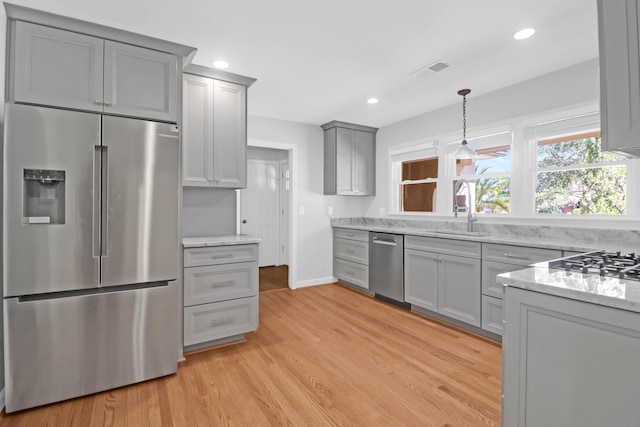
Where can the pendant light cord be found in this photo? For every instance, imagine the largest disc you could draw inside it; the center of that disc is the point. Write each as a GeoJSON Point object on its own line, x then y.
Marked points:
{"type": "Point", "coordinates": [464, 117]}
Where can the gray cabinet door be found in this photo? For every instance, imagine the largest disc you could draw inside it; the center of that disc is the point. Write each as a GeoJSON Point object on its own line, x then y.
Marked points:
{"type": "Point", "coordinates": [568, 363]}
{"type": "Point", "coordinates": [229, 135]}
{"type": "Point", "coordinates": [459, 288]}
{"type": "Point", "coordinates": [140, 82]}
{"type": "Point", "coordinates": [421, 278]}
{"type": "Point", "coordinates": [197, 131]}
{"type": "Point", "coordinates": [364, 164]}
{"type": "Point", "coordinates": [619, 35]}
{"type": "Point", "coordinates": [345, 149]}
{"type": "Point", "coordinates": [55, 67]}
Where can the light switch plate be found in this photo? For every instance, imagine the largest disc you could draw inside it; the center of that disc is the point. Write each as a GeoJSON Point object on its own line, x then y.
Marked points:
{"type": "Point", "coordinates": [301, 210]}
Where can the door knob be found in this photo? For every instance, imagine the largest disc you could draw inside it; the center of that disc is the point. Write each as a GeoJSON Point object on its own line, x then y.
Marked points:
{"type": "Point", "coordinates": [244, 221]}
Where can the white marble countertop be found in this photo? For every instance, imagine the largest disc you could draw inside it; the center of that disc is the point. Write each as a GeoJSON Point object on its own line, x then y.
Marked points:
{"type": "Point", "coordinates": [234, 239]}
{"type": "Point", "coordinates": [560, 244]}
{"type": "Point", "coordinates": [606, 291]}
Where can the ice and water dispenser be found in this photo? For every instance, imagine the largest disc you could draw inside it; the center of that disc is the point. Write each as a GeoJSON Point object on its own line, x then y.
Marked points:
{"type": "Point", "coordinates": [43, 196]}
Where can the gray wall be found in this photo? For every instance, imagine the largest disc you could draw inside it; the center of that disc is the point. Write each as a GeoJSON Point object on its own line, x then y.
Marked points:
{"type": "Point", "coordinates": [208, 212]}
{"type": "Point", "coordinates": [261, 153]}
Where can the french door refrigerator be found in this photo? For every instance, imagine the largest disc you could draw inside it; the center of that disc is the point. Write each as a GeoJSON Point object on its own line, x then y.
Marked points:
{"type": "Point", "coordinates": [90, 253]}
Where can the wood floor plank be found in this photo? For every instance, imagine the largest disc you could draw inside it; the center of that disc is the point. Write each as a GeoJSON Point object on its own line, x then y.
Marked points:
{"type": "Point", "coordinates": [323, 355]}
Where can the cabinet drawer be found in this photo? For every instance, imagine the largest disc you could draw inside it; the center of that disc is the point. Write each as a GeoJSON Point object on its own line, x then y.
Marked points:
{"type": "Point", "coordinates": [356, 274]}
{"type": "Point", "coordinates": [351, 250]}
{"type": "Point", "coordinates": [345, 233]}
{"type": "Point", "coordinates": [443, 246]}
{"type": "Point", "coordinates": [519, 255]}
{"type": "Point", "coordinates": [208, 322]}
{"type": "Point", "coordinates": [492, 315]}
{"type": "Point", "coordinates": [195, 257]}
{"type": "Point", "coordinates": [490, 269]}
{"type": "Point", "coordinates": [214, 283]}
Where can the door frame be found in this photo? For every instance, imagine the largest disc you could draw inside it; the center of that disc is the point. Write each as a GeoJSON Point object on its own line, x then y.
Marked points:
{"type": "Point", "coordinates": [293, 197]}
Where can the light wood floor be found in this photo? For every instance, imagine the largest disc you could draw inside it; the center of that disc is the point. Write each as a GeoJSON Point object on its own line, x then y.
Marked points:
{"type": "Point", "coordinates": [323, 356]}
{"type": "Point", "coordinates": [272, 278]}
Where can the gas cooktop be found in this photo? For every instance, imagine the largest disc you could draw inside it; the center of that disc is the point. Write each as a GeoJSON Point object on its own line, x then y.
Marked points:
{"type": "Point", "coordinates": [603, 263]}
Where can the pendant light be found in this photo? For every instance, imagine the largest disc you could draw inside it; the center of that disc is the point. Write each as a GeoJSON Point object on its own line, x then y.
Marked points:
{"type": "Point", "coordinates": [464, 151]}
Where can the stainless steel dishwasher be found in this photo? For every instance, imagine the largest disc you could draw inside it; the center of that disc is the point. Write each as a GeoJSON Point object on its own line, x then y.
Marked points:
{"type": "Point", "coordinates": [386, 267]}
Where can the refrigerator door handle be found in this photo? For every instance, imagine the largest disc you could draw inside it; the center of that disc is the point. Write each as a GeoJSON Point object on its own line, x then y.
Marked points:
{"type": "Point", "coordinates": [97, 182]}
{"type": "Point", "coordinates": [104, 248]}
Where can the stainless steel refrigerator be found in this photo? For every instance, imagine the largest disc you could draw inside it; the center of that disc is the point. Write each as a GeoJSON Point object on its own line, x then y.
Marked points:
{"type": "Point", "coordinates": [90, 253]}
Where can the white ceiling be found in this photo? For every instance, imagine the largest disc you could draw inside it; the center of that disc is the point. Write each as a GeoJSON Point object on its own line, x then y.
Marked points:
{"type": "Point", "coordinates": [318, 61]}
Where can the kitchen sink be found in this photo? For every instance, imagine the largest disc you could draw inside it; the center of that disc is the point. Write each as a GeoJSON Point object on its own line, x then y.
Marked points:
{"type": "Point", "coordinates": [459, 233]}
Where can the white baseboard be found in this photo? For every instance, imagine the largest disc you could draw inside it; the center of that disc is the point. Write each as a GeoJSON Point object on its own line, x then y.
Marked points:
{"type": "Point", "coordinates": [2, 399]}
{"type": "Point", "coordinates": [315, 282]}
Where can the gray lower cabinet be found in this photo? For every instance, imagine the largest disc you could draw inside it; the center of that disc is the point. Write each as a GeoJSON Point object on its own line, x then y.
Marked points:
{"type": "Point", "coordinates": [439, 281]}
{"type": "Point", "coordinates": [569, 363]}
{"type": "Point", "coordinates": [49, 66]}
{"type": "Point", "coordinates": [498, 259]}
{"type": "Point", "coordinates": [220, 293]}
{"type": "Point", "coordinates": [349, 159]}
{"type": "Point", "coordinates": [214, 133]}
{"type": "Point", "coordinates": [351, 256]}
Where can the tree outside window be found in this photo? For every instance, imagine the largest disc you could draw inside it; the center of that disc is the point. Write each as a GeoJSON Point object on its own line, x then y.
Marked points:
{"type": "Point", "coordinates": [576, 177]}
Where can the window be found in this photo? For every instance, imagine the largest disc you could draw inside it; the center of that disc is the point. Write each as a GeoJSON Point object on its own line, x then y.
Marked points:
{"type": "Point", "coordinates": [552, 169]}
{"type": "Point", "coordinates": [573, 175]}
{"type": "Point", "coordinates": [488, 175]}
{"type": "Point", "coordinates": [415, 172]}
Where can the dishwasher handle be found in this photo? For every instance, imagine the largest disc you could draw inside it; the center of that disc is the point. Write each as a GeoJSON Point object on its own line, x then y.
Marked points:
{"type": "Point", "coordinates": [390, 242]}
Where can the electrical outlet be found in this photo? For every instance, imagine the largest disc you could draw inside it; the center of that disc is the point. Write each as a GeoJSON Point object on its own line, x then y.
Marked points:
{"type": "Point", "coordinates": [330, 210]}
{"type": "Point", "coordinates": [301, 210]}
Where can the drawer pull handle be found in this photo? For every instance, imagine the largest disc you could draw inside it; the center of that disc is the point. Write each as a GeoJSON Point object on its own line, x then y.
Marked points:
{"type": "Point", "coordinates": [349, 251]}
{"type": "Point", "coordinates": [220, 322]}
{"type": "Point", "coordinates": [222, 284]}
{"type": "Point", "coordinates": [516, 256]}
{"type": "Point", "coordinates": [350, 273]}
{"type": "Point", "coordinates": [219, 256]}
{"type": "Point", "coordinates": [349, 234]}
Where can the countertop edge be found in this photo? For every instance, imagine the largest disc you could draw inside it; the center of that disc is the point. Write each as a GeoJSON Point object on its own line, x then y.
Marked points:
{"type": "Point", "coordinates": [229, 240]}
{"type": "Point", "coordinates": [528, 284]}
{"type": "Point", "coordinates": [503, 240]}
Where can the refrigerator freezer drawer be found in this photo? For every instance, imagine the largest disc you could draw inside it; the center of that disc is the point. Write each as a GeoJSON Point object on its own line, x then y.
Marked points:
{"type": "Point", "coordinates": [56, 349]}
{"type": "Point", "coordinates": [208, 322]}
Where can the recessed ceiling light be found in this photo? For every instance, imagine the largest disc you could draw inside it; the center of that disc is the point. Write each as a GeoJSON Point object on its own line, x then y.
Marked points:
{"type": "Point", "coordinates": [524, 34]}
{"type": "Point", "coordinates": [372, 101]}
{"type": "Point", "coordinates": [220, 64]}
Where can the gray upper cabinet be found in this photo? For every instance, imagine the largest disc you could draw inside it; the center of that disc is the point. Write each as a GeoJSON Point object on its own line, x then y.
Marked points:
{"type": "Point", "coordinates": [229, 135]}
{"type": "Point", "coordinates": [140, 82]}
{"type": "Point", "coordinates": [55, 67]}
{"type": "Point", "coordinates": [349, 159]}
{"type": "Point", "coordinates": [619, 34]}
{"type": "Point", "coordinates": [72, 70]}
{"type": "Point", "coordinates": [197, 131]}
{"type": "Point", "coordinates": [214, 132]}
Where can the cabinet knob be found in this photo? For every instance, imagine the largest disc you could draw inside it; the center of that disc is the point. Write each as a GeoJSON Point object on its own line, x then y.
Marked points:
{"type": "Point", "coordinates": [98, 102]}
{"type": "Point", "coordinates": [244, 221]}
{"type": "Point", "coordinates": [107, 104]}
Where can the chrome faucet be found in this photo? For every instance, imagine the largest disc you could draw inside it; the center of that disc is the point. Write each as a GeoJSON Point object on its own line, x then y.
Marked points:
{"type": "Point", "coordinates": [471, 216]}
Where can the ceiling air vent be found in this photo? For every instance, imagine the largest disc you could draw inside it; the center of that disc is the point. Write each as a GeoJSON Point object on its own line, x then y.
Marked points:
{"type": "Point", "coordinates": [431, 68]}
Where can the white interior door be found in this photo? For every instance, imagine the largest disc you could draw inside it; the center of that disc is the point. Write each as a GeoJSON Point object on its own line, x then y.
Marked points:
{"type": "Point", "coordinates": [259, 208]}
{"type": "Point", "coordinates": [285, 190]}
